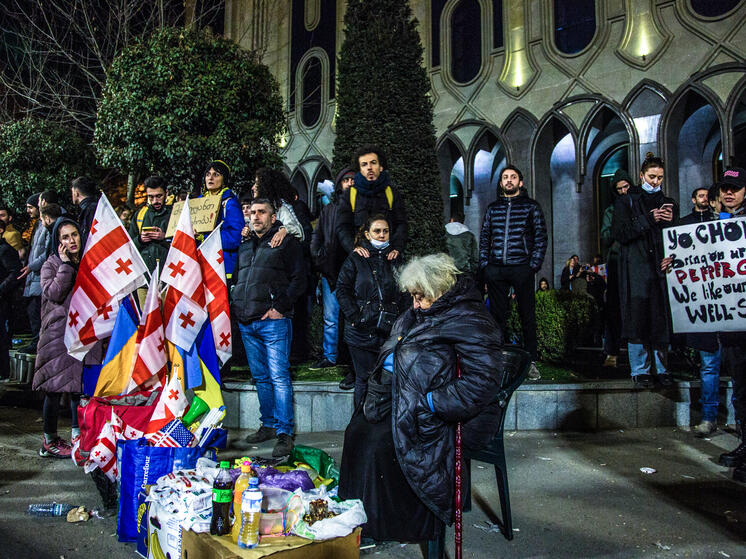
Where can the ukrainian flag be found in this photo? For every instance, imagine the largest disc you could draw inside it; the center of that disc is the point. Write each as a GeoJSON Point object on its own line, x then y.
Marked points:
{"type": "Point", "coordinates": [201, 367]}
{"type": "Point", "coordinates": [116, 369]}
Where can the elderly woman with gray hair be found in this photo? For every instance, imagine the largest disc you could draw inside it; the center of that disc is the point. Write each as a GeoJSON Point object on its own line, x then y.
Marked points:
{"type": "Point", "coordinates": [399, 450]}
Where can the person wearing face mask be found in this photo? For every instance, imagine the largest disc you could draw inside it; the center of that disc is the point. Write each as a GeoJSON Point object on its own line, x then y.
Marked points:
{"type": "Point", "coordinates": [639, 217]}
{"type": "Point", "coordinates": [217, 183]}
{"type": "Point", "coordinates": [368, 297]}
{"type": "Point", "coordinates": [56, 372]}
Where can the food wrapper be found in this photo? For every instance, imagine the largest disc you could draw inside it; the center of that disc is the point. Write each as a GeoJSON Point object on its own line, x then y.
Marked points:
{"type": "Point", "coordinates": [348, 515]}
{"type": "Point", "coordinates": [78, 515]}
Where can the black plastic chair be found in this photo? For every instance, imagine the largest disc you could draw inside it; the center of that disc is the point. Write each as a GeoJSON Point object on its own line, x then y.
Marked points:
{"type": "Point", "coordinates": [516, 364]}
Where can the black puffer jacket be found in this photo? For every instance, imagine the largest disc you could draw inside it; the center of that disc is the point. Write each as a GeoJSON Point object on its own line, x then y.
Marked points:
{"type": "Point", "coordinates": [326, 249]}
{"type": "Point", "coordinates": [268, 278]}
{"type": "Point", "coordinates": [513, 232]}
{"type": "Point", "coordinates": [427, 345]}
{"type": "Point", "coordinates": [358, 297]}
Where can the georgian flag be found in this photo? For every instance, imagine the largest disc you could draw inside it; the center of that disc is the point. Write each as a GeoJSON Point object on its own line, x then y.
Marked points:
{"type": "Point", "coordinates": [184, 308]}
{"type": "Point", "coordinates": [151, 360]}
{"type": "Point", "coordinates": [103, 455]}
{"type": "Point", "coordinates": [210, 255]}
{"type": "Point", "coordinates": [110, 268]}
{"type": "Point", "coordinates": [171, 405]}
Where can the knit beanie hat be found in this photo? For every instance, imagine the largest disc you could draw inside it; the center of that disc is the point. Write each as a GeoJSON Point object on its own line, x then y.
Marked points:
{"type": "Point", "coordinates": [222, 168]}
{"type": "Point", "coordinates": [33, 200]}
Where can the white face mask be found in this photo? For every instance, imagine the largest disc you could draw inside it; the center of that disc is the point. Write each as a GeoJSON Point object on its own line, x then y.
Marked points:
{"type": "Point", "coordinates": [380, 245]}
{"type": "Point", "coordinates": [649, 187]}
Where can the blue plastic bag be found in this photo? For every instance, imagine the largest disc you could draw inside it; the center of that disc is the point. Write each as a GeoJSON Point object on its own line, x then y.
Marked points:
{"type": "Point", "coordinates": [140, 465]}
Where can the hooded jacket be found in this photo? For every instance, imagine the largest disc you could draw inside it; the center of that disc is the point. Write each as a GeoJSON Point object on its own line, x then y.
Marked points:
{"type": "Point", "coordinates": [462, 247]}
{"type": "Point", "coordinates": [36, 257]}
{"type": "Point", "coordinates": [513, 233]}
{"type": "Point", "coordinates": [609, 247]}
{"type": "Point", "coordinates": [370, 200]}
{"type": "Point", "coordinates": [55, 369]}
{"type": "Point", "coordinates": [267, 278]}
{"type": "Point", "coordinates": [326, 249]}
{"type": "Point", "coordinates": [428, 346]}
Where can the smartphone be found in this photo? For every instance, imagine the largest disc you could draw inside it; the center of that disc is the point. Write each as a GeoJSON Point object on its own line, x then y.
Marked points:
{"type": "Point", "coordinates": [149, 229]}
{"type": "Point", "coordinates": [667, 207]}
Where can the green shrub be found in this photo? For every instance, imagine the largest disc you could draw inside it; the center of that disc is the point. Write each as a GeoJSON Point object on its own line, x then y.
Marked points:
{"type": "Point", "coordinates": [181, 98]}
{"type": "Point", "coordinates": [563, 322]}
{"type": "Point", "coordinates": [38, 155]}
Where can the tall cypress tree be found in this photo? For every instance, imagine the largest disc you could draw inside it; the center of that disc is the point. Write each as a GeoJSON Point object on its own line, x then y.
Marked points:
{"type": "Point", "coordinates": [383, 99]}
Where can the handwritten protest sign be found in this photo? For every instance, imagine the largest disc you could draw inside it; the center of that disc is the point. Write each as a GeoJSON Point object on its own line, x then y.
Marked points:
{"type": "Point", "coordinates": [707, 288]}
{"type": "Point", "coordinates": [204, 212]}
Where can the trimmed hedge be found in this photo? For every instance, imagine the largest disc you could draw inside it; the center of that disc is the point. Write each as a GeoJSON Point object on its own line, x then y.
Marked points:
{"type": "Point", "coordinates": [563, 321]}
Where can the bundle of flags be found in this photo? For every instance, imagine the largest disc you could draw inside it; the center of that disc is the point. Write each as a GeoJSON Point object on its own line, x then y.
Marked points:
{"type": "Point", "coordinates": [192, 331]}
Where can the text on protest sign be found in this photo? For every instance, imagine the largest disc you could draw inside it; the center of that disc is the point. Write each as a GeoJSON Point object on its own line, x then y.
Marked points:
{"type": "Point", "coordinates": [204, 212]}
{"type": "Point", "coordinates": [707, 288]}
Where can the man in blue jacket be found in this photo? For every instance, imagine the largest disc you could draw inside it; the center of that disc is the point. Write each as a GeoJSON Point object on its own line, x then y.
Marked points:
{"type": "Point", "coordinates": [512, 246]}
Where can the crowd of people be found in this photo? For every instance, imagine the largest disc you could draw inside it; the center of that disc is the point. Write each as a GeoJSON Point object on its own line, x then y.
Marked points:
{"type": "Point", "coordinates": [406, 324]}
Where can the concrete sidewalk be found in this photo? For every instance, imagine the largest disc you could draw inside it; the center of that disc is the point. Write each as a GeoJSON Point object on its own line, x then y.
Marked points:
{"type": "Point", "coordinates": [573, 495]}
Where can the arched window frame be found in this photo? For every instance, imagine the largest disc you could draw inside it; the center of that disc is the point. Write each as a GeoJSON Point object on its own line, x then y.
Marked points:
{"type": "Point", "coordinates": [315, 52]}
{"type": "Point", "coordinates": [549, 31]}
{"type": "Point", "coordinates": [718, 17]}
{"type": "Point", "coordinates": [485, 7]}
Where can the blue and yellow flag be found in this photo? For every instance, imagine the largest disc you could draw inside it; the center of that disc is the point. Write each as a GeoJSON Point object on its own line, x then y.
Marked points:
{"type": "Point", "coordinates": [116, 368]}
{"type": "Point", "coordinates": [201, 367]}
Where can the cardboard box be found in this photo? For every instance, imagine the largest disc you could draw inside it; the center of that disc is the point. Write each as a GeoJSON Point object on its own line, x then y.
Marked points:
{"type": "Point", "coordinates": [205, 546]}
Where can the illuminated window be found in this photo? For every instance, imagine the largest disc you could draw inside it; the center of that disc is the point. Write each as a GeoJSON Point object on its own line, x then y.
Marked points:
{"type": "Point", "coordinates": [574, 24]}
{"type": "Point", "coordinates": [466, 41]}
{"type": "Point", "coordinates": [713, 8]}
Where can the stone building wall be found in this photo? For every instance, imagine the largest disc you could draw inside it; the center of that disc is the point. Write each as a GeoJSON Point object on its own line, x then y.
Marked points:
{"type": "Point", "coordinates": [655, 75]}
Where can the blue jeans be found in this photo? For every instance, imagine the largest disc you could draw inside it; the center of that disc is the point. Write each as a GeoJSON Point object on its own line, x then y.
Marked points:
{"type": "Point", "coordinates": [331, 322]}
{"type": "Point", "coordinates": [639, 359]}
{"type": "Point", "coordinates": [709, 374]}
{"type": "Point", "coordinates": [267, 344]}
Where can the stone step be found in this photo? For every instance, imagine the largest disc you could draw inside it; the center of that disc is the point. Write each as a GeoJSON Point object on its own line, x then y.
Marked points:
{"type": "Point", "coordinates": [593, 405]}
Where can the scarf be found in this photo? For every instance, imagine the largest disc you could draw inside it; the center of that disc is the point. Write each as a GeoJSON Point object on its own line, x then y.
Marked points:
{"type": "Point", "coordinates": [372, 187]}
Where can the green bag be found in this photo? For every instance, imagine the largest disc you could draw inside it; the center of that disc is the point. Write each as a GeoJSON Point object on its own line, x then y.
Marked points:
{"type": "Point", "coordinates": [318, 460]}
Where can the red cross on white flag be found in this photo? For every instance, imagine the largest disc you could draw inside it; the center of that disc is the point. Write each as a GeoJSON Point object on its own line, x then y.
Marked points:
{"type": "Point", "coordinates": [184, 307]}
{"type": "Point", "coordinates": [216, 293]}
{"type": "Point", "coordinates": [151, 360]}
{"type": "Point", "coordinates": [171, 405]}
{"type": "Point", "coordinates": [111, 268]}
{"type": "Point", "coordinates": [104, 453]}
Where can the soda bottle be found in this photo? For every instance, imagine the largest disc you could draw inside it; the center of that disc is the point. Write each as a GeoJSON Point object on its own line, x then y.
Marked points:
{"type": "Point", "coordinates": [49, 509]}
{"type": "Point", "coordinates": [241, 484]}
{"type": "Point", "coordinates": [251, 509]}
{"type": "Point", "coordinates": [222, 495]}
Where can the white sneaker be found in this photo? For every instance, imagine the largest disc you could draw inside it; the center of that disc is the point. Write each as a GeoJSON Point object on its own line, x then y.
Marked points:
{"type": "Point", "coordinates": [533, 372]}
{"type": "Point", "coordinates": [705, 428]}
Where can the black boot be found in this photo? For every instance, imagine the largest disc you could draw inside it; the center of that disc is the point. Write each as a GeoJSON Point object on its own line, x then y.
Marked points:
{"type": "Point", "coordinates": [737, 456]}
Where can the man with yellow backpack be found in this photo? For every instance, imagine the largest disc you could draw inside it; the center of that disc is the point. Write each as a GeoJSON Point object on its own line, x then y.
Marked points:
{"type": "Point", "coordinates": [148, 227]}
{"type": "Point", "coordinates": [372, 193]}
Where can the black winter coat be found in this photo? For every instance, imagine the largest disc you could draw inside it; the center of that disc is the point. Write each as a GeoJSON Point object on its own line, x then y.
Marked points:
{"type": "Point", "coordinates": [154, 250]}
{"type": "Point", "coordinates": [428, 345]}
{"type": "Point", "coordinates": [359, 299]}
{"type": "Point", "coordinates": [268, 278]}
{"type": "Point", "coordinates": [643, 297]}
{"type": "Point", "coordinates": [513, 232]}
{"type": "Point", "coordinates": [326, 250]}
{"type": "Point", "coordinates": [85, 217]}
{"type": "Point", "coordinates": [10, 267]}
{"type": "Point", "coordinates": [369, 203]}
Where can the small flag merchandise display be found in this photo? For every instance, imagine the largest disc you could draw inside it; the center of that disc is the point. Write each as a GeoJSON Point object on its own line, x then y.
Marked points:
{"type": "Point", "coordinates": [173, 434]}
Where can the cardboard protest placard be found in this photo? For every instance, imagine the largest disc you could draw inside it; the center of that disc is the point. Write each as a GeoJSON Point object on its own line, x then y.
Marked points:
{"type": "Point", "coordinates": [204, 212]}
{"type": "Point", "coordinates": [707, 287]}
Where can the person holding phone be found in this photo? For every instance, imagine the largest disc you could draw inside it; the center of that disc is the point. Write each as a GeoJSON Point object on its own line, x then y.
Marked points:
{"type": "Point", "coordinates": [148, 227]}
{"type": "Point", "coordinates": [639, 217]}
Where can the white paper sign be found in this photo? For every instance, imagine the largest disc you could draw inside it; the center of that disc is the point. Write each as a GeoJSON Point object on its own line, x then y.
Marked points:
{"type": "Point", "coordinates": [707, 287]}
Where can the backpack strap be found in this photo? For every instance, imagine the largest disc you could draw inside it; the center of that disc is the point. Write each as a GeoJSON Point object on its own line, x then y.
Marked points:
{"type": "Point", "coordinates": [140, 217]}
{"type": "Point", "coordinates": [389, 197]}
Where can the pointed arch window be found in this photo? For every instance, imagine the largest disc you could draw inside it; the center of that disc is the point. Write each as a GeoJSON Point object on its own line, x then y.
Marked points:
{"type": "Point", "coordinates": [311, 92]}
{"type": "Point", "coordinates": [574, 24]}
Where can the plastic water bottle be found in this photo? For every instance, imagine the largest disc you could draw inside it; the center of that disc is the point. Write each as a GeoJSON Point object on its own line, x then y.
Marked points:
{"type": "Point", "coordinates": [251, 510]}
{"type": "Point", "coordinates": [49, 509]}
{"type": "Point", "coordinates": [241, 484]}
